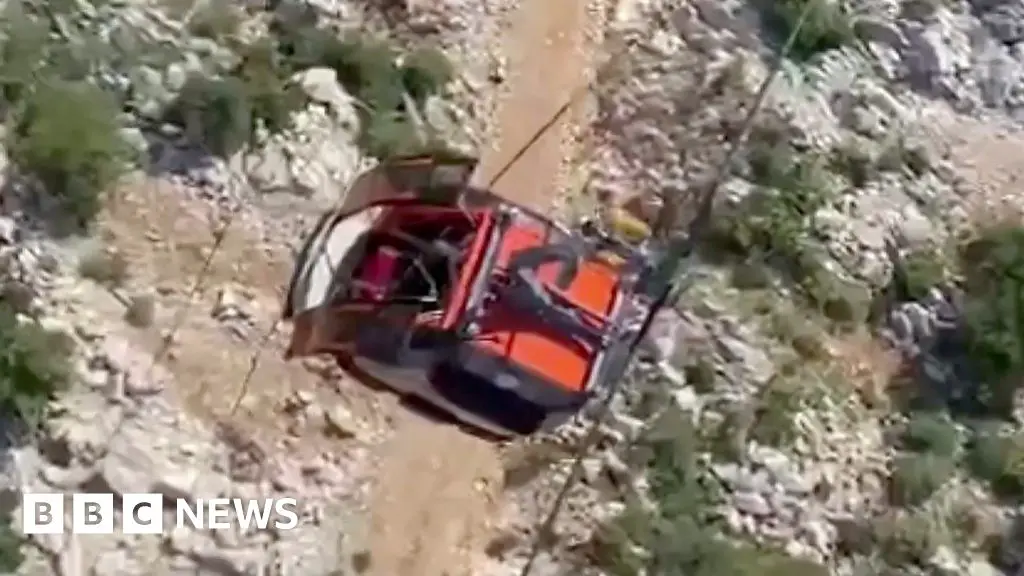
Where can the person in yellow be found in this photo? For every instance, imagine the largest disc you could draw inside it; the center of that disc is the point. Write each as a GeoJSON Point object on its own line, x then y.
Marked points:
{"type": "Point", "coordinates": [630, 223]}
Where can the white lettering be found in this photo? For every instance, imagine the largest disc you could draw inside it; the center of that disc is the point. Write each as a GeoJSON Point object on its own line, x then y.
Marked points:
{"type": "Point", "coordinates": [91, 513]}
{"type": "Point", "coordinates": [288, 508]}
{"type": "Point", "coordinates": [218, 511]}
{"type": "Point", "coordinates": [194, 515]}
{"type": "Point", "coordinates": [248, 510]}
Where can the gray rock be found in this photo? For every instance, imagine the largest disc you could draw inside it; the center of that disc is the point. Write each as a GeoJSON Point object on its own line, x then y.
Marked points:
{"type": "Point", "coordinates": [751, 503]}
{"type": "Point", "coordinates": [1005, 22]}
{"type": "Point", "coordinates": [887, 33]}
{"type": "Point", "coordinates": [982, 568]}
{"type": "Point", "coordinates": [321, 85]}
{"type": "Point", "coordinates": [752, 359]}
{"type": "Point", "coordinates": [8, 230]}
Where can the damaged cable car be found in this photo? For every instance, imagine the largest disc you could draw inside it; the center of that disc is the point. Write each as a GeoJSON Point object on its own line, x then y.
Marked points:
{"type": "Point", "coordinates": [490, 312]}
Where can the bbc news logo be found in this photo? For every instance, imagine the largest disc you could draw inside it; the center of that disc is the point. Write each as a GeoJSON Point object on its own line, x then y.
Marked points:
{"type": "Point", "coordinates": [144, 513]}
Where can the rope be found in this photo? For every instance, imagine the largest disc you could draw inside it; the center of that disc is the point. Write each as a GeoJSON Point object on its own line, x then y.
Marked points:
{"type": "Point", "coordinates": [546, 527]}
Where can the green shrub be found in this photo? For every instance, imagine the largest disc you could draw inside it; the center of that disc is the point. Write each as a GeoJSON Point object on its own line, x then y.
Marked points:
{"type": "Point", "coordinates": [799, 332]}
{"type": "Point", "coordinates": [272, 97]}
{"type": "Point", "coordinates": [854, 160]}
{"type": "Point", "coordinates": [21, 54]}
{"type": "Point", "coordinates": [827, 27]}
{"type": "Point", "coordinates": [845, 302]}
{"type": "Point", "coordinates": [701, 374]}
{"type": "Point", "coordinates": [750, 275]}
{"type": "Point", "coordinates": [999, 461]}
{"type": "Point", "coordinates": [780, 401]}
{"type": "Point", "coordinates": [216, 20]}
{"type": "Point", "coordinates": [923, 270]}
{"type": "Point", "coordinates": [908, 539]}
{"type": "Point", "coordinates": [368, 69]}
{"type": "Point", "coordinates": [775, 222]}
{"type": "Point", "coordinates": [425, 72]}
{"type": "Point", "coordinates": [68, 138]}
{"type": "Point", "coordinates": [33, 366]}
{"type": "Point", "coordinates": [931, 432]}
{"type": "Point", "coordinates": [916, 477]}
{"type": "Point", "coordinates": [389, 135]}
{"type": "Point", "coordinates": [679, 539]}
{"type": "Point", "coordinates": [215, 112]}
{"type": "Point", "coordinates": [366, 65]}
{"type": "Point", "coordinates": [222, 114]}
{"type": "Point", "coordinates": [993, 265]}
{"type": "Point", "coordinates": [11, 556]}
{"type": "Point", "coordinates": [904, 156]}
{"type": "Point", "coordinates": [372, 70]}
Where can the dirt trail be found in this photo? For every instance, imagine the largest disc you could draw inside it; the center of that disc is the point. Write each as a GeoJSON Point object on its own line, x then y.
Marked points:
{"type": "Point", "coordinates": [436, 490]}
{"type": "Point", "coordinates": [165, 237]}
{"type": "Point", "coordinates": [547, 64]}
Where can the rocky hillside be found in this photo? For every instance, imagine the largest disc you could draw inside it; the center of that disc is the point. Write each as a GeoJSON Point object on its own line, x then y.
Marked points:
{"type": "Point", "coordinates": [161, 161]}
{"type": "Point", "coordinates": [837, 392]}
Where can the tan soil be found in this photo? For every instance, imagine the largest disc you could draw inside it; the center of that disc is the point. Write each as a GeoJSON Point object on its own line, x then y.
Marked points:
{"type": "Point", "coordinates": [166, 237]}
{"type": "Point", "coordinates": [435, 492]}
{"type": "Point", "coordinates": [434, 497]}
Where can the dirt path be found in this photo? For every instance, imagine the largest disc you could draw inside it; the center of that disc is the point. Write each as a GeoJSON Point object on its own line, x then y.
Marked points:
{"type": "Point", "coordinates": [164, 236]}
{"type": "Point", "coordinates": [436, 490]}
{"type": "Point", "coordinates": [547, 63]}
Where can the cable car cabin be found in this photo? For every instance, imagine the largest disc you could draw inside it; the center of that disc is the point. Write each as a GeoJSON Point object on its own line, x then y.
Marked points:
{"type": "Point", "coordinates": [494, 314]}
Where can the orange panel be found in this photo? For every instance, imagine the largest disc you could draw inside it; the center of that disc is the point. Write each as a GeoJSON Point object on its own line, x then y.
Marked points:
{"type": "Point", "coordinates": [524, 340]}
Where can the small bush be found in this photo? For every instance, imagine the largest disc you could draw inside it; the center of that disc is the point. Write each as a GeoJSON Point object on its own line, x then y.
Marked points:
{"type": "Point", "coordinates": [104, 267]}
{"type": "Point", "coordinates": [854, 160]}
{"type": "Point", "coordinates": [215, 112]}
{"type": "Point", "coordinates": [779, 402]}
{"type": "Point", "coordinates": [912, 539]}
{"type": "Point", "coordinates": [923, 270]}
{"type": "Point", "coordinates": [68, 139]}
{"type": "Point", "coordinates": [368, 69]}
{"type": "Point", "coordinates": [776, 221]}
{"type": "Point", "coordinates": [33, 367]}
{"type": "Point", "coordinates": [827, 27]}
{"type": "Point", "coordinates": [726, 440]}
{"type": "Point", "coordinates": [993, 265]}
{"type": "Point", "coordinates": [21, 52]}
{"type": "Point", "coordinates": [680, 538]}
{"type": "Point", "coordinates": [272, 97]}
{"type": "Point", "coordinates": [931, 432]}
{"type": "Point", "coordinates": [18, 296]}
{"type": "Point", "coordinates": [751, 275]}
{"type": "Point", "coordinates": [700, 373]}
{"type": "Point", "coordinates": [11, 556]}
{"type": "Point", "coordinates": [373, 71]}
{"type": "Point", "coordinates": [216, 20]}
{"type": "Point", "coordinates": [425, 72]}
{"type": "Point", "coordinates": [798, 331]}
{"type": "Point", "coordinates": [845, 302]}
{"type": "Point", "coordinates": [902, 155]}
{"type": "Point", "coordinates": [390, 135]}
{"type": "Point", "coordinates": [916, 477]}
{"type": "Point", "coordinates": [999, 461]}
{"type": "Point", "coordinates": [141, 311]}
{"type": "Point", "coordinates": [223, 114]}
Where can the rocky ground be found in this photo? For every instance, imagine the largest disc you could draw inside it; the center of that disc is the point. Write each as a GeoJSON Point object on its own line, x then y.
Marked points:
{"type": "Point", "coordinates": [814, 404]}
